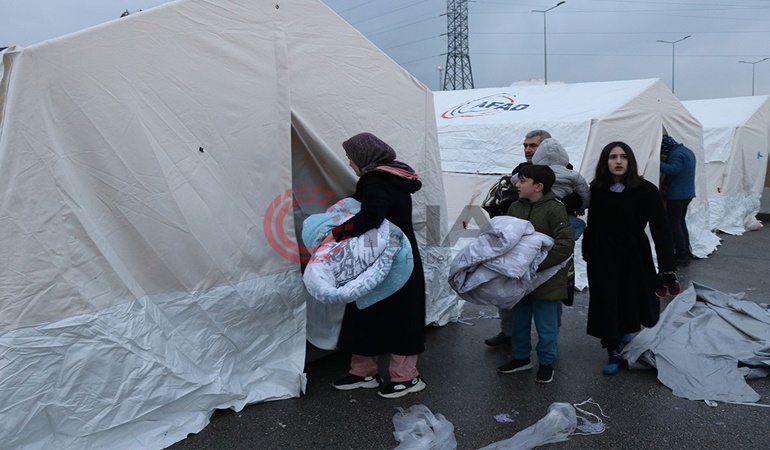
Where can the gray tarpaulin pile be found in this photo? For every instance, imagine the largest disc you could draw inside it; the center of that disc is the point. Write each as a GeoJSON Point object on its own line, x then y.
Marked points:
{"type": "Point", "coordinates": [705, 345]}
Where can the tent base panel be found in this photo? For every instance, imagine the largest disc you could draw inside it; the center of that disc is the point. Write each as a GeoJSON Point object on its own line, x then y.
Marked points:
{"type": "Point", "coordinates": [443, 305]}
{"type": "Point", "coordinates": [703, 242]}
{"type": "Point", "coordinates": [735, 213]}
{"type": "Point", "coordinates": [146, 373]}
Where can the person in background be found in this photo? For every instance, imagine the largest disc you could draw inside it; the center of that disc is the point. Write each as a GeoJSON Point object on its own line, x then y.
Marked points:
{"type": "Point", "coordinates": [531, 142]}
{"type": "Point", "coordinates": [538, 204]}
{"type": "Point", "coordinates": [677, 164]}
{"type": "Point", "coordinates": [552, 154]}
{"type": "Point", "coordinates": [395, 325]}
{"type": "Point", "coordinates": [621, 273]}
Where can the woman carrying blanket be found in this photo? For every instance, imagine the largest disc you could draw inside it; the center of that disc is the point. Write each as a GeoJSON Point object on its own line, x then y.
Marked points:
{"type": "Point", "coordinates": [395, 325]}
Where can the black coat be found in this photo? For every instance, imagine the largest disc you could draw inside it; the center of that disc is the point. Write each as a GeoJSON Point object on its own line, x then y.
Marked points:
{"type": "Point", "coordinates": [396, 324]}
{"type": "Point", "coordinates": [621, 272]}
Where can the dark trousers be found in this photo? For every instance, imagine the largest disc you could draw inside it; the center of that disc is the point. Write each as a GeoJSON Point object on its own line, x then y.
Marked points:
{"type": "Point", "coordinates": [611, 344]}
{"type": "Point", "coordinates": [676, 210]}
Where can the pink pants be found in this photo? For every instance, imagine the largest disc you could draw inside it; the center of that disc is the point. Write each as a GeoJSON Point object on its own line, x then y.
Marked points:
{"type": "Point", "coordinates": [402, 368]}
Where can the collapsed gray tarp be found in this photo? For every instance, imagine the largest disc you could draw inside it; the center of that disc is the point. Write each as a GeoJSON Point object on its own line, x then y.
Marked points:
{"type": "Point", "coordinates": [699, 342]}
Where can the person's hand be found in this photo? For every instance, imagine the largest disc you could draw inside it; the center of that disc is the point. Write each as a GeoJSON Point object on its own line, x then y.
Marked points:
{"type": "Point", "coordinates": [340, 232]}
{"type": "Point", "coordinates": [663, 157]}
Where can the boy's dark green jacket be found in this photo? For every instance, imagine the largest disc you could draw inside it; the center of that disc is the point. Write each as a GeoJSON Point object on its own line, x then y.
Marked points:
{"type": "Point", "coordinates": [549, 217]}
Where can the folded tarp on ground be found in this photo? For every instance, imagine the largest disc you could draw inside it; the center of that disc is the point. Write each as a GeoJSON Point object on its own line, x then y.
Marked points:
{"type": "Point", "coordinates": [702, 337]}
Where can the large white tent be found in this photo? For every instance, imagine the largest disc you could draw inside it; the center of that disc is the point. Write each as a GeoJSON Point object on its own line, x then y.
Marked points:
{"type": "Point", "coordinates": [481, 131]}
{"type": "Point", "coordinates": [153, 172]}
{"type": "Point", "coordinates": [736, 135]}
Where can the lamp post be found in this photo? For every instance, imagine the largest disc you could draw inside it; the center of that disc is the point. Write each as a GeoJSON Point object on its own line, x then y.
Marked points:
{"type": "Point", "coordinates": [752, 71]}
{"type": "Point", "coordinates": [545, 42]}
{"type": "Point", "coordinates": [673, 45]}
{"type": "Point", "coordinates": [439, 68]}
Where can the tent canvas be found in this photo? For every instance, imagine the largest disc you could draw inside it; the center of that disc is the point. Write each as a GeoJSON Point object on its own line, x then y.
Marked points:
{"type": "Point", "coordinates": [736, 135]}
{"type": "Point", "coordinates": [481, 130]}
{"type": "Point", "coordinates": [151, 169]}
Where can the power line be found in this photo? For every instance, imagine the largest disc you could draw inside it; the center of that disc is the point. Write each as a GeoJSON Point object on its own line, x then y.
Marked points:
{"type": "Point", "coordinates": [630, 55]}
{"type": "Point", "coordinates": [410, 43]}
{"type": "Point", "coordinates": [620, 32]}
{"type": "Point", "coordinates": [635, 2]}
{"type": "Point", "coordinates": [666, 13]}
{"type": "Point", "coordinates": [609, 55]}
{"type": "Point", "coordinates": [403, 26]}
{"type": "Point", "coordinates": [406, 63]}
{"type": "Point", "coordinates": [378, 16]}
{"type": "Point", "coordinates": [357, 6]}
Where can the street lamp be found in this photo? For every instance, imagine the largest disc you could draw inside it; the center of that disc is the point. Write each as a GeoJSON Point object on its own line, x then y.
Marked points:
{"type": "Point", "coordinates": [439, 68]}
{"type": "Point", "coordinates": [752, 71]}
{"type": "Point", "coordinates": [673, 45]}
{"type": "Point", "coordinates": [545, 42]}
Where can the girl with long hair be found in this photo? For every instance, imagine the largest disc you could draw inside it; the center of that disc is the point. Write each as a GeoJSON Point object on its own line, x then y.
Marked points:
{"type": "Point", "coordinates": [622, 278]}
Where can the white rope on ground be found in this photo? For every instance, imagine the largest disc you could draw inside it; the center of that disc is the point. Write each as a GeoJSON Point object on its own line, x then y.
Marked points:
{"type": "Point", "coordinates": [587, 426]}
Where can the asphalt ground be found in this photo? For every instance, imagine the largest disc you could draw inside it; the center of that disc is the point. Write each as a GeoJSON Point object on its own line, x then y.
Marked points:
{"type": "Point", "coordinates": [463, 385]}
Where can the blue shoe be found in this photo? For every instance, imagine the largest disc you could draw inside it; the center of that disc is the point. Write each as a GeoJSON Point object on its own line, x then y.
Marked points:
{"type": "Point", "coordinates": [626, 338]}
{"type": "Point", "coordinates": [614, 363]}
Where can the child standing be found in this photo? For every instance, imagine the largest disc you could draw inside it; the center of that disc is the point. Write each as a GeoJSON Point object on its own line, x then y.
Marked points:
{"type": "Point", "coordinates": [540, 206]}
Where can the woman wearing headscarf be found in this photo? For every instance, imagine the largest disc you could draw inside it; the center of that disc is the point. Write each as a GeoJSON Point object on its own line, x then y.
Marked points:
{"type": "Point", "coordinates": [395, 325]}
{"type": "Point", "coordinates": [622, 280]}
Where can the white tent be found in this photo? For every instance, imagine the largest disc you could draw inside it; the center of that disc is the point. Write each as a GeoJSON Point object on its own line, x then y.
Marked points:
{"type": "Point", "coordinates": [736, 135]}
{"type": "Point", "coordinates": [481, 130]}
{"type": "Point", "coordinates": [148, 172]}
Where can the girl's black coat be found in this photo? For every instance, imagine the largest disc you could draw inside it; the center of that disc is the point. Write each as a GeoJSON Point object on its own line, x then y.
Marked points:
{"type": "Point", "coordinates": [621, 271]}
{"type": "Point", "coordinates": [396, 324]}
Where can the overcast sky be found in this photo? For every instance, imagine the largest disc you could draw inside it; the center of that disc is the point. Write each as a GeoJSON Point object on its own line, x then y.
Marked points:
{"type": "Point", "coordinates": [587, 40]}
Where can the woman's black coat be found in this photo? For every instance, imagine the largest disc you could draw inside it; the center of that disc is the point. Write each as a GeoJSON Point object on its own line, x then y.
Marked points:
{"type": "Point", "coordinates": [396, 324]}
{"type": "Point", "coordinates": [621, 271]}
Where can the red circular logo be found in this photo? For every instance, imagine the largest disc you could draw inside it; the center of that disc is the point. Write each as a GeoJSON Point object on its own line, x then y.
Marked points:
{"type": "Point", "coordinates": [275, 217]}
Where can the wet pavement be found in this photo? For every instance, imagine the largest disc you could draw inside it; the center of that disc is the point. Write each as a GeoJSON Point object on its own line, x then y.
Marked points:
{"type": "Point", "coordinates": [463, 385]}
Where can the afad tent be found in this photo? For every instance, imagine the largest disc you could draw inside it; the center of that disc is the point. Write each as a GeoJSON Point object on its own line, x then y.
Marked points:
{"type": "Point", "coordinates": [148, 168]}
{"type": "Point", "coordinates": [481, 131]}
{"type": "Point", "coordinates": [736, 137]}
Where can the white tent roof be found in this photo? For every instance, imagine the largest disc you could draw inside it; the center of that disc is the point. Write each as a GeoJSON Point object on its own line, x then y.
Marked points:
{"type": "Point", "coordinates": [148, 169]}
{"type": "Point", "coordinates": [481, 131]}
{"type": "Point", "coordinates": [736, 135]}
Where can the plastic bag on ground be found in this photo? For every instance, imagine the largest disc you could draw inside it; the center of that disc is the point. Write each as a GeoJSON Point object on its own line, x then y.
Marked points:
{"type": "Point", "coordinates": [556, 426]}
{"type": "Point", "coordinates": [417, 428]}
